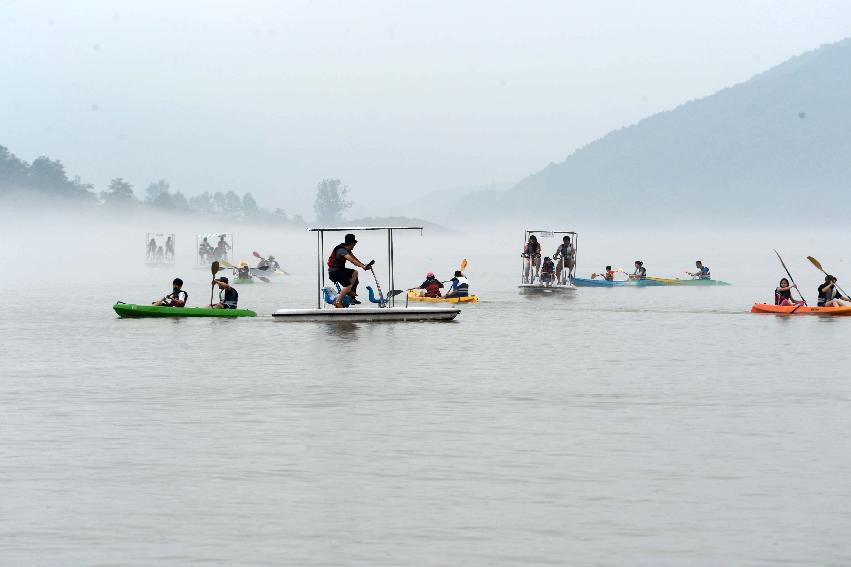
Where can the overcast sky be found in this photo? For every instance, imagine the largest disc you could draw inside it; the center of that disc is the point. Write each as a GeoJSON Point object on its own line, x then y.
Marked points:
{"type": "Point", "coordinates": [395, 98]}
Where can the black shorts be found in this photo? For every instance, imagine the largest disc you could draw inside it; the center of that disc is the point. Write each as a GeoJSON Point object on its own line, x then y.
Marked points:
{"type": "Point", "coordinates": [342, 276]}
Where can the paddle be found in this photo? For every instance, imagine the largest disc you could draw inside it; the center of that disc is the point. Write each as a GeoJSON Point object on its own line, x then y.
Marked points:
{"type": "Point", "coordinates": [817, 264]}
{"type": "Point", "coordinates": [791, 279]}
{"type": "Point", "coordinates": [214, 267]}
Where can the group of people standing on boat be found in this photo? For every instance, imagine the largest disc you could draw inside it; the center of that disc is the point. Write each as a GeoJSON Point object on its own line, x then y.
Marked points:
{"type": "Point", "coordinates": [160, 253]}
{"type": "Point", "coordinates": [545, 268]}
{"type": "Point", "coordinates": [207, 253]}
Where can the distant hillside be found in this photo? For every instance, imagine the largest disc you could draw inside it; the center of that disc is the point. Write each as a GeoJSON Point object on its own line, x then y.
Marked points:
{"type": "Point", "coordinates": [780, 143]}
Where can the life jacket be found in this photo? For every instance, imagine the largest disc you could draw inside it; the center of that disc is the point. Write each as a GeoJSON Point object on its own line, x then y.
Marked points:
{"type": "Point", "coordinates": [780, 295]}
{"type": "Point", "coordinates": [460, 286]}
{"type": "Point", "coordinates": [704, 273]}
{"type": "Point", "coordinates": [229, 297]}
{"type": "Point", "coordinates": [432, 288]}
{"type": "Point", "coordinates": [548, 266]}
{"type": "Point", "coordinates": [533, 249]}
{"type": "Point", "coordinates": [179, 295]}
{"type": "Point", "coordinates": [610, 275]}
{"type": "Point", "coordinates": [335, 262]}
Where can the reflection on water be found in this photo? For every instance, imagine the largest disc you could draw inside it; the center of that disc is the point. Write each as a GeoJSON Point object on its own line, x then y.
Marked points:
{"type": "Point", "coordinates": [626, 426]}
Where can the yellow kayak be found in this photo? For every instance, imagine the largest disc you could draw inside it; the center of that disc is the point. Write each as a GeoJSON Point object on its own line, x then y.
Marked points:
{"type": "Point", "coordinates": [412, 296]}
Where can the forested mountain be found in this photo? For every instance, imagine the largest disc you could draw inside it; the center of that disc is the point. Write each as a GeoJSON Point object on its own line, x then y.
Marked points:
{"type": "Point", "coordinates": [780, 142]}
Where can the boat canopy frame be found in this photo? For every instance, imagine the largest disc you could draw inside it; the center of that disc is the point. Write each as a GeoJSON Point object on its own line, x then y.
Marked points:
{"type": "Point", "coordinates": [551, 234]}
{"type": "Point", "coordinates": [228, 236]}
{"type": "Point", "coordinates": [320, 247]}
{"type": "Point", "coordinates": [158, 236]}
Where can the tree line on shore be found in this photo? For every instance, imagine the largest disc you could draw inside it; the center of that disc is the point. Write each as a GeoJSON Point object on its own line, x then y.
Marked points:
{"type": "Point", "coordinates": [46, 178]}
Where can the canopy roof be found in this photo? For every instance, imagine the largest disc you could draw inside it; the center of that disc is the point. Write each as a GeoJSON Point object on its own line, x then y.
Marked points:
{"type": "Point", "coordinates": [553, 231]}
{"type": "Point", "coordinates": [345, 228]}
{"type": "Point", "coordinates": [214, 234]}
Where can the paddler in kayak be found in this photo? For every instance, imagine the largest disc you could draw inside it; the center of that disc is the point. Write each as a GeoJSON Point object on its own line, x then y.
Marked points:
{"type": "Point", "coordinates": [269, 264]}
{"type": "Point", "coordinates": [532, 255]}
{"type": "Point", "coordinates": [565, 254]}
{"type": "Point", "coordinates": [228, 296]}
{"type": "Point", "coordinates": [177, 297]}
{"type": "Point", "coordinates": [460, 286]}
{"type": "Point", "coordinates": [829, 295]}
{"type": "Point", "coordinates": [431, 286]}
{"type": "Point", "coordinates": [783, 294]}
{"type": "Point", "coordinates": [640, 272]}
{"type": "Point", "coordinates": [702, 272]}
{"type": "Point", "coordinates": [608, 275]}
{"type": "Point", "coordinates": [243, 272]}
{"type": "Point", "coordinates": [346, 278]}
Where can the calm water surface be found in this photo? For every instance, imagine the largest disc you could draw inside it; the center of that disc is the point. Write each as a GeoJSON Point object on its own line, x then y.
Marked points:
{"type": "Point", "coordinates": [654, 426]}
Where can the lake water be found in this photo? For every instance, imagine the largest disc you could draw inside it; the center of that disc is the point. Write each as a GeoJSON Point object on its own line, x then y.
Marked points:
{"type": "Point", "coordinates": [654, 426]}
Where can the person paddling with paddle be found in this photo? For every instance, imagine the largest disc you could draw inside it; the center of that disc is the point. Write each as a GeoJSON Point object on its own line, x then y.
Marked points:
{"type": "Point", "coordinates": [431, 286]}
{"type": "Point", "coordinates": [829, 294]}
{"type": "Point", "coordinates": [346, 278]}
{"type": "Point", "coordinates": [177, 297]}
{"type": "Point", "coordinates": [783, 294]}
{"type": "Point", "coordinates": [228, 296]}
{"type": "Point", "coordinates": [640, 272]}
{"type": "Point", "coordinates": [702, 272]}
{"type": "Point", "coordinates": [460, 286]}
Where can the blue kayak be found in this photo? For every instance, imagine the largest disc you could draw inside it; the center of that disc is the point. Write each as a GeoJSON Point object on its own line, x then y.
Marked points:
{"type": "Point", "coordinates": [586, 282]}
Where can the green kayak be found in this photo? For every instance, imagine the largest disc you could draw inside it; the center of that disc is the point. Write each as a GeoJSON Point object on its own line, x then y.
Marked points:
{"type": "Point", "coordinates": [135, 311]}
{"type": "Point", "coordinates": [243, 280]}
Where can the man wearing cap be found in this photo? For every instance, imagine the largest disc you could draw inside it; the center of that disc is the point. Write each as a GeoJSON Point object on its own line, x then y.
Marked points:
{"type": "Point", "coordinates": [431, 286]}
{"type": "Point", "coordinates": [338, 273]}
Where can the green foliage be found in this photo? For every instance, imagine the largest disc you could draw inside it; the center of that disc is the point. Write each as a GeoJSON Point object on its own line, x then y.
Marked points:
{"type": "Point", "coordinates": [47, 178]}
{"type": "Point", "coordinates": [331, 203]}
{"type": "Point", "coordinates": [44, 177]}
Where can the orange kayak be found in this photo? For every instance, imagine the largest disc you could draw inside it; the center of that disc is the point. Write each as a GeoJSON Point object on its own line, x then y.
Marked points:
{"type": "Point", "coordinates": [803, 310]}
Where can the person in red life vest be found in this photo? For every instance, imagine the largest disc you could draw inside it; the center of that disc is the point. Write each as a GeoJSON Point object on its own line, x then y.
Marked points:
{"type": "Point", "coordinates": [431, 286]}
{"type": "Point", "coordinates": [346, 278]}
{"type": "Point", "coordinates": [609, 275]}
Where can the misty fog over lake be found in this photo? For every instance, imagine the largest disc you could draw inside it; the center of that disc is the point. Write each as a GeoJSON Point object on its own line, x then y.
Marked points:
{"type": "Point", "coordinates": [646, 421]}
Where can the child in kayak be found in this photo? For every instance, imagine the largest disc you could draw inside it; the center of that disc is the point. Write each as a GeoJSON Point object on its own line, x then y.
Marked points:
{"type": "Point", "coordinates": [431, 286]}
{"type": "Point", "coordinates": [702, 272]}
{"type": "Point", "coordinates": [609, 274]}
{"type": "Point", "coordinates": [177, 297]}
{"type": "Point", "coordinates": [640, 272]}
{"type": "Point", "coordinates": [547, 271]}
{"type": "Point", "coordinates": [829, 295]}
{"type": "Point", "coordinates": [228, 296]}
{"type": "Point", "coordinates": [783, 294]}
{"type": "Point", "coordinates": [460, 286]}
